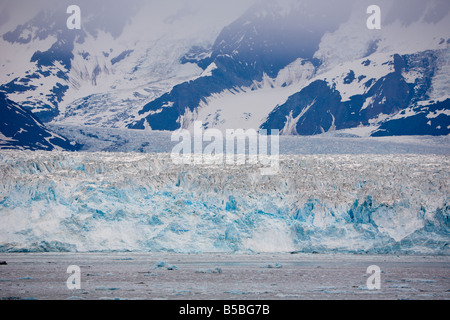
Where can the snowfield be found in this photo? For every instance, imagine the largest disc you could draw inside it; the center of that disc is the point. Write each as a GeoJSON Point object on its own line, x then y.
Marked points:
{"type": "Point", "coordinates": [348, 141]}
{"type": "Point", "coordinates": [90, 202]}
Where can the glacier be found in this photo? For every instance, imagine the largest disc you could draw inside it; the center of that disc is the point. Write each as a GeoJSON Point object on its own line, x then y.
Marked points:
{"type": "Point", "coordinates": [134, 202]}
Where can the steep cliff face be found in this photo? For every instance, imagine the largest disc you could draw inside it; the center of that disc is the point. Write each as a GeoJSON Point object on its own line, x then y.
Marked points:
{"type": "Point", "coordinates": [134, 202]}
{"type": "Point", "coordinates": [397, 103]}
{"type": "Point", "coordinates": [19, 129]}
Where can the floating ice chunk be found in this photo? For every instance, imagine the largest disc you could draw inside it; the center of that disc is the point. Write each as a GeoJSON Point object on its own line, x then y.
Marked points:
{"type": "Point", "coordinates": [161, 264]}
{"type": "Point", "coordinates": [164, 264]}
{"type": "Point", "coordinates": [236, 292]}
{"type": "Point", "coordinates": [172, 267]}
{"type": "Point", "coordinates": [215, 270]}
{"type": "Point", "coordinates": [28, 278]}
{"type": "Point", "coordinates": [275, 265]}
{"type": "Point", "coordinates": [103, 288]}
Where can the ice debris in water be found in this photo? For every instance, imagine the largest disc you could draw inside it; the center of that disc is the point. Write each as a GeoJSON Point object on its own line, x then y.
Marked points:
{"type": "Point", "coordinates": [103, 288]}
{"type": "Point", "coordinates": [209, 271]}
{"type": "Point", "coordinates": [275, 265]}
{"type": "Point", "coordinates": [172, 267]}
{"type": "Point", "coordinates": [163, 264]}
{"type": "Point", "coordinates": [28, 278]}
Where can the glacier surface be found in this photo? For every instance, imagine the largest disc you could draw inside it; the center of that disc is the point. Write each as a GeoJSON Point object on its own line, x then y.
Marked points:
{"type": "Point", "coordinates": [103, 202]}
{"type": "Point", "coordinates": [349, 141]}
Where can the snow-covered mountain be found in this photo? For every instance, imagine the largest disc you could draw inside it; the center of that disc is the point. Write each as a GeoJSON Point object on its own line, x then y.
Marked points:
{"type": "Point", "coordinates": [267, 38]}
{"type": "Point", "coordinates": [392, 81]}
{"type": "Point", "coordinates": [397, 103]}
{"type": "Point", "coordinates": [19, 129]}
{"type": "Point", "coordinates": [125, 55]}
{"type": "Point", "coordinates": [303, 67]}
{"type": "Point", "coordinates": [306, 71]}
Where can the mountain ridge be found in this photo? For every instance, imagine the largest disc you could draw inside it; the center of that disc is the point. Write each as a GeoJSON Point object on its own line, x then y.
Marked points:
{"type": "Point", "coordinates": [299, 67]}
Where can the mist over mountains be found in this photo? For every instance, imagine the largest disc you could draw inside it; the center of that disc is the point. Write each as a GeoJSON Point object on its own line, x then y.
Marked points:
{"type": "Point", "coordinates": [302, 67]}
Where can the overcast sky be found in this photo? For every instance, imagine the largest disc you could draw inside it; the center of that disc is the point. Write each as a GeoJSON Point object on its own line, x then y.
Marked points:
{"type": "Point", "coordinates": [14, 12]}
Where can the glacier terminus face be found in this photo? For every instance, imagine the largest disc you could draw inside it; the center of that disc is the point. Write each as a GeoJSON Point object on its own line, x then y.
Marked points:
{"type": "Point", "coordinates": [103, 202]}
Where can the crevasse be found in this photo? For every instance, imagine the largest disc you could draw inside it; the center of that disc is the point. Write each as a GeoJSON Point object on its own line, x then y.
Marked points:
{"type": "Point", "coordinates": [84, 202]}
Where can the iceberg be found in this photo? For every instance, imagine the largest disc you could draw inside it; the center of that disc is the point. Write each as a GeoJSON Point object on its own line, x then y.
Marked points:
{"type": "Point", "coordinates": [131, 202]}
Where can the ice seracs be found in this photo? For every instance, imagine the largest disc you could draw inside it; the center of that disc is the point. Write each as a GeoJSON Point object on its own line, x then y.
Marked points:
{"type": "Point", "coordinates": [143, 202]}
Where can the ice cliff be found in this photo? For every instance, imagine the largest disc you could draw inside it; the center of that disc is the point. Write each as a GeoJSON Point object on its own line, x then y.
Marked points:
{"type": "Point", "coordinates": [84, 202]}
